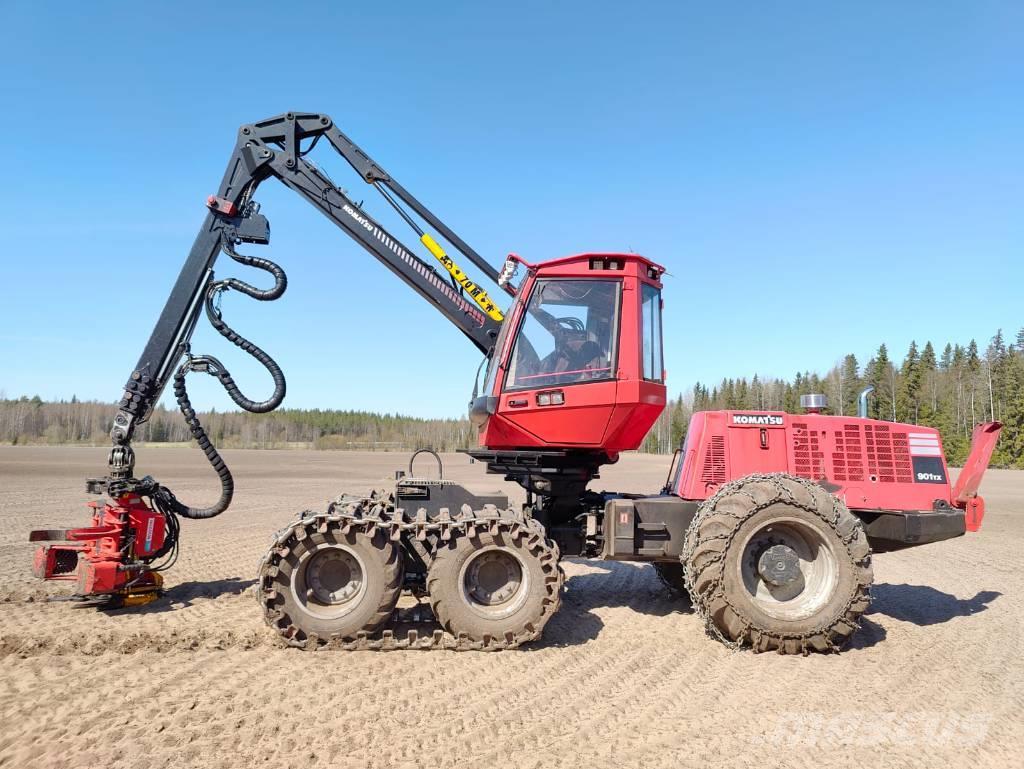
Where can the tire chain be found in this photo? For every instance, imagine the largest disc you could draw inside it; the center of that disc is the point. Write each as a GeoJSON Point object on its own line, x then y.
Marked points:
{"type": "Point", "coordinates": [377, 511]}
{"type": "Point", "coordinates": [702, 602]}
{"type": "Point", "coordinates": [671, 586]}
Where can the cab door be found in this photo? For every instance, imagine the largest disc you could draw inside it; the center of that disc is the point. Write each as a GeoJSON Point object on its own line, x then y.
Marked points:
{"type": "Point", "coordinates": [560, 378]}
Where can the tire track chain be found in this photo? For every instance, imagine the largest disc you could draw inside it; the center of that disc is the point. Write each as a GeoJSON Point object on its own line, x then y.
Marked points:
{"type": "Point", "coordinates": [677, 589]}
{"type": "Point", "coordinates": [377, 511]}
{"type": "Point", "coordinates": [856, 547]}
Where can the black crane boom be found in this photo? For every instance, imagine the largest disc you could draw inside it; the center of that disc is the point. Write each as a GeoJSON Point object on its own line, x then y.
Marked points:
{"type": "Point", "coordinates": [278, 147]}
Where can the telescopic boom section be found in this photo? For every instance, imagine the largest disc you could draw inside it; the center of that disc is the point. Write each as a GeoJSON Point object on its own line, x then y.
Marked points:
{"type": "Point", "coordinates": [278, 147]}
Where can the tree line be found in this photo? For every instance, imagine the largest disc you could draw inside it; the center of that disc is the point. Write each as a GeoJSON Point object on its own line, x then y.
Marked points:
{"type": "Point", "coordinates": [952, 391]}
{"type": "Point", "coordinates": [32, 420]}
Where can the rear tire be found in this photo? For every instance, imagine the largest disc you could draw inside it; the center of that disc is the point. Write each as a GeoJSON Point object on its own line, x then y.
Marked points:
{"type": "Point", "coordinates": [776, 562]}
{"type": "Point", "coordinates": [332, 584]}
{"type": "Point", "coordinates": [502, 584]}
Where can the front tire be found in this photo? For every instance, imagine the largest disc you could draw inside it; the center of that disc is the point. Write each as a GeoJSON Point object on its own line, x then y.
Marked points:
{"type": "Point", "coordinates": [332, 582]}
{"type": "Point", "coordinates": [776, 562]}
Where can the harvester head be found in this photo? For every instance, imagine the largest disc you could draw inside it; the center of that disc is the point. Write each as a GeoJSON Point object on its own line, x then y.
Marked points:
{"type": "Point", "coordinates": [110, 561]}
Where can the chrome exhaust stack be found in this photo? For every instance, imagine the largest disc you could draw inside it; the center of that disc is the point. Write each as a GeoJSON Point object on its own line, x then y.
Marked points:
{"type": "Point", "coordinates": [862, 401]}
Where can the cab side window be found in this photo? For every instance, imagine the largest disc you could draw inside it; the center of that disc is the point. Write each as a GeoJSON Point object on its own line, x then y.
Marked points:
{"type": "Point", "coordinates": [651, 311]}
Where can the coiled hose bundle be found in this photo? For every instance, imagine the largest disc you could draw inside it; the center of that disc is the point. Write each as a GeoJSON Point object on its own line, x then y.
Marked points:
{"type": "Point", "coordinates": [212, 366]}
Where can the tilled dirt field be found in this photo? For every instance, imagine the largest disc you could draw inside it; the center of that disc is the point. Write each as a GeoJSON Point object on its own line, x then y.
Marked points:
{"type": "Point", "coordinates": [624, 676]}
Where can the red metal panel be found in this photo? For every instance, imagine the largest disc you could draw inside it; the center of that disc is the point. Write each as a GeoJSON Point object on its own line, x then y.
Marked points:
{"type": "Point", "coordinates": [681, 484]}
{"type": "Point", "coordinates": [983, 441]}
{"type": "Point", "coordinates": [705, 462]}
{"type": "Point", "coordinates": [868, 463]}
{"type": "Point", "coordinates": [758, 446]}
{"type": "Point", "coordinates": [581, 420]}
{"type": "Point", "coordinates": [638, 405]}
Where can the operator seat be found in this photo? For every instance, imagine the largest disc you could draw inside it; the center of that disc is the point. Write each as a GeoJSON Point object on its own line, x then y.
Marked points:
{"type": "Point", "coordinates": [576, 351]}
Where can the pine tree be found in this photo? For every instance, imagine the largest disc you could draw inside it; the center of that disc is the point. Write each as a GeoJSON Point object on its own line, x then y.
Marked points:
{"type": "Point", "coordinates": [1010, 448]}
{"type": "Point", "coordinates": [910, 373]}
{"type": "Point", "coordinates": [995, 363]}
{"type": "Point", "coordinates": [849, 386]}
{"type": "Point", "coordinates": [929, 396]}
{"type": "Point", "coordinates": [743, 399]}
{"type": "Point", "coordinates": [928, 362]}
{"type": "Point", "coordinates": [791, 396]}
{"type": "Point", "coordinates": [947, 357]}
{"type": "Point", "coordinates": [699, 398]}
{"type": "Point", "coordinates": [679, 423]}
{"type": "Point", "coordinates": [973, 367]}
{"type": "Point", "coordinates": [882, 376]}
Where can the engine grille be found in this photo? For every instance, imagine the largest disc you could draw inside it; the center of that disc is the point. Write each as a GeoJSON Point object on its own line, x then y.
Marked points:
{"type": "Point", "coordinates": [869, 453]}
{"type": "Point", "coordinates": [714, 462]}
{"type": "Point", "coordinates": [808, 459]}
{"type": "Point", "coordinates": [848, 462]}
{"type": "Point", "coordinates": [888, 454]}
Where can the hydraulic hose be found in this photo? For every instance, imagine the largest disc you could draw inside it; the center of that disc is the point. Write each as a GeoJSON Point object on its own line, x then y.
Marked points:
{"type": "Point", "coordinates": [213, 313]}
{"type": "Point", "coordinates": [212, 366]}
{"type": "Point", "coordinates": [227, 483]}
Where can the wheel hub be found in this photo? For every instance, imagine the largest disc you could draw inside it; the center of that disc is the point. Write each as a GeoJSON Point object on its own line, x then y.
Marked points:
{"type": "Point", "coordinates": [779, 565]}
{"type": "Point", "coordinates": [788, 568]}
{"type": "Point", "coordinates": [493, 577]}
{"type": "Point", "coordinates": [333, 576]}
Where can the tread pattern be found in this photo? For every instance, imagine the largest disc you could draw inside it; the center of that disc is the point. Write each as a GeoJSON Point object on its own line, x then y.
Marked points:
{"type": "Point", "coordinates": [317, 531]}
{"type": "Point", "coordinates": [529, 533]}
{"type": "Point", "coordinates": [708, 539]}
{"type": "Point", "coordinates": [377, 512]}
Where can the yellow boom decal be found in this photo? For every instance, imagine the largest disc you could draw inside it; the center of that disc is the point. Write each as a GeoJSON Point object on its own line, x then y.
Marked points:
{"type": "Point", "coordinates": [478, 294]}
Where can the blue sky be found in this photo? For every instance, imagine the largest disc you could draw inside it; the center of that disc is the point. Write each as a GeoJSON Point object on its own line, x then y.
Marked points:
{"type": "Point", "coordinates": [817, 177]}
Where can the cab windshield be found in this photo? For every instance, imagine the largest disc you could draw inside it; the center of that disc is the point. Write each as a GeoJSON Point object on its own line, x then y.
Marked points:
{"type": "Point", "coordinates": [568, 334]}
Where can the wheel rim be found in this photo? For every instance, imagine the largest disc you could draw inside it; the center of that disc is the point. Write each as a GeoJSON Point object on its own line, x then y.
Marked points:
{"type": "Point", "coordinates": [494, 582]}
{"type": "Point", "coordinates": [330, 582]}
{"type": "Point", "coordinates": [788, 568]}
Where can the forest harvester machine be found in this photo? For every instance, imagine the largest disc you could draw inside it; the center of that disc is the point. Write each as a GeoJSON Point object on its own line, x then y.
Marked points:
{"type": "Point", "coordinates": [768, 520]}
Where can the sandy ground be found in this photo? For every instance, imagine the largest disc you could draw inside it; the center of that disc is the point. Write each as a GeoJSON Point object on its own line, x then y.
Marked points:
{"type": "Point", "coordinates": [624, 676]}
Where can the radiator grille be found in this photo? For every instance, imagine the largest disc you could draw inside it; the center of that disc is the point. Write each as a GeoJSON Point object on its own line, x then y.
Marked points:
{"type": "Point", "coordinates": [848, 455]}
{"type": "Point", "coordinates": [714, 462]}
{"type": "Point", "coordinates": [888, 453]}
{"type": "Point", "coordinates": [876, 453]}
{"type": "Point", "coordinates": [808, 459]}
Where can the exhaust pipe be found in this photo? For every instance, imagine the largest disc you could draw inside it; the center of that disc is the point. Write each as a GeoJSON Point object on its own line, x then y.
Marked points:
{"type": "Point", "coordinates": [862, 401]}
